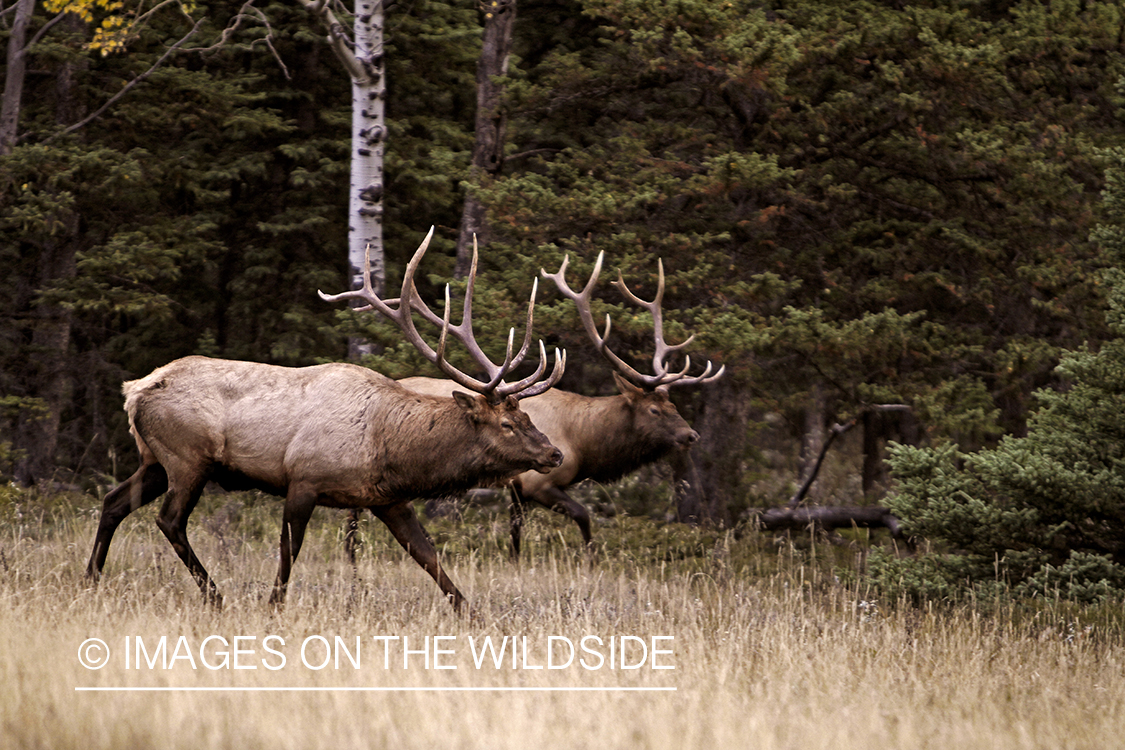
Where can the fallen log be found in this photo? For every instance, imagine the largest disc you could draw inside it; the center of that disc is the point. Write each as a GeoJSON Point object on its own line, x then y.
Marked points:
{"type": "Point", "coordinates": [829, 518]}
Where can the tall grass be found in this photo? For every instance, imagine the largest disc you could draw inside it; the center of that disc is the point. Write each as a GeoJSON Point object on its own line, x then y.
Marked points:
{"type": "Point", "coordinates": [771, 649]}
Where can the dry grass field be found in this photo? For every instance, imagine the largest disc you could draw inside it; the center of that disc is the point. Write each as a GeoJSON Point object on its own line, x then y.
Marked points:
{"type": "Point", "coordinates": [769, 648]}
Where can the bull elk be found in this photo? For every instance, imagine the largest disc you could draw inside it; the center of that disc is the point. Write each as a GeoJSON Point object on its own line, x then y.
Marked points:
{"type": "Point", "coordinates": [336, 435]}
{"type": "Point", "coordinates": [601, 438]}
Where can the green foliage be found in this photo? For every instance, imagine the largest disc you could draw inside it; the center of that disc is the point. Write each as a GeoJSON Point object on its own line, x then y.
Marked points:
{"type": "Point", "coordinates": [1042, 514]}
{"type": "Point", "coordinates": [13, 409]}
{"type": "Point", "coordinates": [201, 212]}
{"type": "Point", "coordinates": [857, 196]}
{"type": "Point", "coordinates": [882, 204]}
{"type": "Point", "coordinates": [1082, 578]}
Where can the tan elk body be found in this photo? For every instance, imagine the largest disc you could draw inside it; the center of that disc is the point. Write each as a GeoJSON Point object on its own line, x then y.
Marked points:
{"type": "Point", "coordinates": [357, 437]}
{"type": "Point", "coordinates": [337, 435]}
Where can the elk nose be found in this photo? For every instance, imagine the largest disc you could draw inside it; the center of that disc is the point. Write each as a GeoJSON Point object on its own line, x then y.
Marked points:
{"type": "Point", "coordinates": [556, 458]}
{"type": "Point", "coordinates": [691, 436]}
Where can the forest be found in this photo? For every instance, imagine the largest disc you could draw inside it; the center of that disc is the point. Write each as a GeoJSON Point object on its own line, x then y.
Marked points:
{"type": "Point", "coordinates": [857, 204]}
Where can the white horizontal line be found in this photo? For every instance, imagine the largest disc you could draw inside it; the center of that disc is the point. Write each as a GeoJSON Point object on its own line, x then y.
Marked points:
{"type": "Point", "coordinates": [375, 689]}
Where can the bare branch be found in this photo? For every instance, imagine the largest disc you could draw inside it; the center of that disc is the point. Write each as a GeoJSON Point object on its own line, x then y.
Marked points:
{"type": "Point", "coordinates": [247, 12]}
{"type": "Point", "coordinates": [337, 37]}
{"type": "Point", "coordinates": [129, 86]}
{"type": "Point", "coordinates": [39, 34]}
{"type": "Point", "coordinates": [836, 431]}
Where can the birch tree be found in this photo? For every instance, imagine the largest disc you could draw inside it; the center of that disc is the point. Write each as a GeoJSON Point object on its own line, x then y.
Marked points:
{"type": "Point", "coordinates": [360, 49]}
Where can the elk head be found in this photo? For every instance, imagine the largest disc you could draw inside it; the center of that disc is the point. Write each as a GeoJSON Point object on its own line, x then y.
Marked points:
{"type": "Point", "coordinates": [647, 395]}
{"type": "Point", "coordinates": [510, 442]}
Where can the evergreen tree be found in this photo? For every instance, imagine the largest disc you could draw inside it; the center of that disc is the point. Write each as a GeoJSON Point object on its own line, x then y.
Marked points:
{"type": "Point", "coordinates": [868, 202]}
{"type": "Point", "coordinates": [855, 203]}
{"type": "Point", "coordinates": [1042, 514]}
{"type": "Point", "coordinates": [46, 179]}
{"type": "Point", "coordinates": [148, 232]}
{"type": "Point", "coordinates": [203, 209]}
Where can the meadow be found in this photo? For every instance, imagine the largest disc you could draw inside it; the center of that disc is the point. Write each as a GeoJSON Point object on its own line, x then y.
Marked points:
{"type": "Point", "coordinates": [721, 639]}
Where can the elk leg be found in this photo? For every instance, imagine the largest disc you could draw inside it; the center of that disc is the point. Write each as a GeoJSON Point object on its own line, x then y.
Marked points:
{"type": "Point", "coordinates": [172, 520]}
{"type": "Point", "coordinates": [298, 509]}
{"type": "Point", "coordinates": [515, 514]}
{"type": "Point", "coordinates": [406, 528]}
{"type": "Point", "coordinates": [555, 499]}
{"type": "Point", "coordinates": [351, 535]}
{"type": "Point", "coordinates": [147, 483]}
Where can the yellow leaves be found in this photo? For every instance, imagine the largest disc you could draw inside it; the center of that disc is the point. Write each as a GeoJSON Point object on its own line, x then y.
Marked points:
{"type": "Point", "coordinates": [84, 9]}
{"type": "Point", "coordinates": [80, 9]}
{"type": "Point", "coordinates": [113, 30]}
{"type": "Point", "coordinates": [111, 36]}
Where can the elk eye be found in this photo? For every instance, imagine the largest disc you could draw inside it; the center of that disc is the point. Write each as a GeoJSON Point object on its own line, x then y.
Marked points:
{"type": "Point", "coordinates": [507, 427]}
{"type": "Point", "coordinates": [654, 411]}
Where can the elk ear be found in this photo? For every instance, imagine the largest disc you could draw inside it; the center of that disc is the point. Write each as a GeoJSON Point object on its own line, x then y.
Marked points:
{"type": "Point", "coordinates": [627, 388]}
{"type": "Point", "coordinates": [470, 404]}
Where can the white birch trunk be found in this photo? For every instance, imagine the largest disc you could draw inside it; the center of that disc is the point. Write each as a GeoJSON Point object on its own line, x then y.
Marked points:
{"type": "Point", "coordinates": [362, 56]}
{"type": "Point", "coordinates": [369, 129]}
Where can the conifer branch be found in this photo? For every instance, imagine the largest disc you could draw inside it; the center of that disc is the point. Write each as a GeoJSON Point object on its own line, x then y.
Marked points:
{"type": "Point", "coordinates": [129, 86]}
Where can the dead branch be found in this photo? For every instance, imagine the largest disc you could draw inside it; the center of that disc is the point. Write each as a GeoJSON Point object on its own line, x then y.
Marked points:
{"type": "Point", "coordinates": [836, 431]}
{"type": "Point", "coordinates": [129, 86]}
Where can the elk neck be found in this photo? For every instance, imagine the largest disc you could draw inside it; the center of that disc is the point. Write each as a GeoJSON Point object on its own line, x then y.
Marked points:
{"type": "Point", "coordinates": [434, 450]}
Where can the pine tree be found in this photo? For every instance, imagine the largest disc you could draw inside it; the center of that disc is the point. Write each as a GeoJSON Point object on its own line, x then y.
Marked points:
{"type": "Point", "coordinates": [868, 202]}
{"type": "Point", "coordinates": [150, 230]}
{"type": "Point", "coordinates": [208, 204]}
{"type": "Point", "coordinates": [1042, 514]}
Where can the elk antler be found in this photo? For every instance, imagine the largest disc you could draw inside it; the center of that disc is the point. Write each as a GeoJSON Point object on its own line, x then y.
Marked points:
{"type": "Point", "coordinates": [663, 378]}
{"type": "Point", "coordinates": [494, 388]}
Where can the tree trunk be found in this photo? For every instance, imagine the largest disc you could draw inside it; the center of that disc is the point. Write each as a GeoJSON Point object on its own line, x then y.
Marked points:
{"type": "Point", "coordinates": [369, 131]}
{"type": "Point", "coordinates": [812, 444]}
{"type": "Point", "coordinates": [826, 519]}
{"type": "Point", "coordinates": [362, 56]}
{"type": "Point", "coordinates": [14, 78]}
{"type": "Point", "coordinates": [49, 376]}
{"type": "Point", "coordinates": [48, 373]}
{"type": "Point", "coordinates": [687, 488]}
{"type": "Point", "coordinates": [873, 470]}
{"type": "Point", "coordinates": [720, 452]}
{"type": "Point", "coordinates": [880, 425]}
{"type": "Point", "coordinates": [488, 146]}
